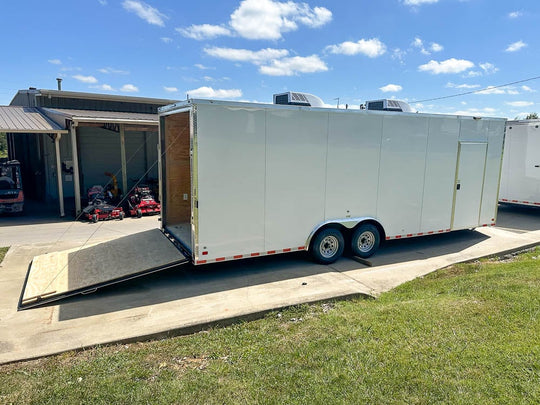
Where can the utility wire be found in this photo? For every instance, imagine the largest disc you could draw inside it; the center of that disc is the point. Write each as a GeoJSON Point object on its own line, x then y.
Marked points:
{"type": "Point", "coordinates": [478, 91]}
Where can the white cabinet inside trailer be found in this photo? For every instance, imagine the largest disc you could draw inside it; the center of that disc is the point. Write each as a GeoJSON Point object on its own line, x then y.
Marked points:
{"type": "Point", "coordinates": [520, 180]}
{"type": "Point", "coordinates": [243, 180]}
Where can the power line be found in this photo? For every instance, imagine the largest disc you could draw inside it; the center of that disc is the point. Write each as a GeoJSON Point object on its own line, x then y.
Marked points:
{"type": "Point", "coordinates": [478, 91]}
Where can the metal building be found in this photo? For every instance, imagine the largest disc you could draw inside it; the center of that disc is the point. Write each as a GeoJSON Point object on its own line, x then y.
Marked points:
{"type": "Point", "coordinates": [91, 134]}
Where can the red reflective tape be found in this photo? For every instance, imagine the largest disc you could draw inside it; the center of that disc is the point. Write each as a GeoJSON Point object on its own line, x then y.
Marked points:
{"type": "Point", "coordinates": [302, 248]}
{"type": "Point", "coordinates": [448, 230]}
{"type": "Point", "coordinates": [431, 233]}
{"type": "Point", "coordinates": [238, 256]}
{"type": "Point", "coordinates": [287, 250]}
{"type": "Point", "coordinates": [220, 259]}
{"type": "Point", "coordinates": [440, 231]}
{"type": "Point", "coordinates": [204, 253]}
{"type": "Point", "coordinates": [201, 261]}
{"type": "Point", "coordinates": [255, 254]}
{"type": "Point", "coordinates": [504, 199]}
{"type": "Point", "coordinates": [271, 252]}
{"type": "Point", "coordinates": [409, 235]}
{"type": "Point", "coordinates": [421, 233]}
{"type": "Point", "coordinates": [515, 201]}
{"type": "Point", "coordinates": [526, 202]}
{"type": "Point", "coordinates": [398, 236]}
{"type": "Point", "coordinates": [388, 238]}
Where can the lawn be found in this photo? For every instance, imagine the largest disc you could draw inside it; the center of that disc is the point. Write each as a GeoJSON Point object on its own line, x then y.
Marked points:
{"type": "Point", "coordinates": [468, 334]}
{"type": "Point", "coordinates": [3, 251]}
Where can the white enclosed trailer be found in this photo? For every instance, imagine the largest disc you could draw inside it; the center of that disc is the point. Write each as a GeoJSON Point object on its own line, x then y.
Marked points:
{"type": "Point", "coordinates": [520, 179]}
{"type": "Point", "coordinates": [241, 180]}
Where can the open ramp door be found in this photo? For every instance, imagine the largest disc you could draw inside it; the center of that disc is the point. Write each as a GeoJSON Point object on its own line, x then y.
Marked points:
{"type": "Point", "coordinates": [83, 270]}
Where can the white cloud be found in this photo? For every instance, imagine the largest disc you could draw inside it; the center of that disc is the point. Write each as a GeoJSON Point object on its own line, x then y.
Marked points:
{"type": "Point", "coordinates": [462, 86]}
{"type": "Point", "coordinates": [418, 2]}
{"type": "Point", "coordinates": [204, 31]}
{"type": "Point", "coordinates": [202, 67]}
{"type": "Point", "coordinates": [209, 92]}
{"type": "Point", "coordinates": [369, 47]}
{"type": "Point", "coordinates": [528, 89]}
{"type": "Point", "coordinates": [166, 40]}
{"type": "Point", "coordinates": [110, 70]}
{"type": "Point", "coordinates": [520, 103]}
{"type": "Point", "coordinates": [391, 88]}
{"type": "Point", "coordinates": [477, 112]}
{"type": "Point", "coordinates": [293, 66]}
{"type": "Point", "coordinates": [494, 90]}
{"type": "Point", "coordinates": [472, 73]}
{"type": "Point", "coordinates": [515, 14]}
{"type": "Point", "coordinates": [451, 65]}
{"type": "Point", "coordinates": [129, 88]}
{"type": "Point", "coordinates": [148, 13]}
{"type": "Point", "coordinates": [104, 87]}
{"type": "Point", "coordinates": [245, 55]}
{"type": "Point", "coordinates": [170, 89]}
{"type": "Point", "coordinates": [435, 47]}
{"type": "Point", "coordinates": [268, 19]}
{"type": "Point", "coordinates": [488, 68]}
{"type": "Point", "coordinates": [55, 61]}
{"type": "Point", "coordinates": [399, 55]}
{"type": "Point", "coordinates": [516, 46]}
{"type": "Point", "coordinates": [102, 2]}
{"type": "Point", "coordinates": [85, 79]}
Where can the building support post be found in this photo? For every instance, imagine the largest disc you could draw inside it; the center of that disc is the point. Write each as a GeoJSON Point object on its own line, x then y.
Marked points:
{"type": "Point", "coordinates": [75, 158]}
{"type": "Point", "coordinates": [59, 174]}
{"type": "Point", "coordinates": [123, 158]}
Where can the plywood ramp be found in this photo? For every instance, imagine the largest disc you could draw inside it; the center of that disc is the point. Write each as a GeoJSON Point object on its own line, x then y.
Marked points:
{"type": "Point", "coordinates": [62, 274]}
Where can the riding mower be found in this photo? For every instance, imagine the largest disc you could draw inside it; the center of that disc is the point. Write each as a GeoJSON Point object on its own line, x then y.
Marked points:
{"type": "Point", "coordinates": [100, 202]}
{"type": "Point", "coordinates": [141, 202]}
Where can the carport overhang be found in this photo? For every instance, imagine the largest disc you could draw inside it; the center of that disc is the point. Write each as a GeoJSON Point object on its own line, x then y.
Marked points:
{"type": "Point", "coordinates": [30, 120]}
{"type": "Point", "coordinates": [123, 120]}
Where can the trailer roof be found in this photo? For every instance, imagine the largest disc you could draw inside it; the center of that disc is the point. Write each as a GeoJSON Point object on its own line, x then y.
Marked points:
{"type": "Point", "coordinates": [15, 119]}
{"type": "Point", "coordinates": [186, 104]}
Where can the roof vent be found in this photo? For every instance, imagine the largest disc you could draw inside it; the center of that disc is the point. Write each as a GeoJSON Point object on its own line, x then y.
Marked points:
{"type": "Point", "coordinates": [297, 98]}
{"type": "Point", "coordinates": [388, 105]}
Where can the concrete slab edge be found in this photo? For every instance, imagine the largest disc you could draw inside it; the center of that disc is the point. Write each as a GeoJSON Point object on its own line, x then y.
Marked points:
{"type": "Point", "coordinates": [192, 328]}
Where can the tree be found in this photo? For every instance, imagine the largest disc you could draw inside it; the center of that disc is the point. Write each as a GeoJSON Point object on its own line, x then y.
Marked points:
{"type": "Point", "coordinates": [3, 145]}
{"type": "Point", "coordinates": [532, 116]}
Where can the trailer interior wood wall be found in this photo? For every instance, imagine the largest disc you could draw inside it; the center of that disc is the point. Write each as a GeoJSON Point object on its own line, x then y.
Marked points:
{"type": "Point", "coordinates": [177, 215]}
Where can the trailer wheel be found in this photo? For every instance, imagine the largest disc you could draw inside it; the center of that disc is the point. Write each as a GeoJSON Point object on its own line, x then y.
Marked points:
{"type": "Point", "coordinates": [365, 240]}
{"type": "Point", "coordinates": [94, 218]}
{"type": "Point", "coordinates": [327, 246]}
{"type": "Point", "coordinates": [139, 213]}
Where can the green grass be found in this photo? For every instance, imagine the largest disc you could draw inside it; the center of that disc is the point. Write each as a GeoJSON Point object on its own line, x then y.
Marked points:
{"type": "Point", "coordinates": [3, 251]}
{"type": "Point", "coordinates": [468, 334]}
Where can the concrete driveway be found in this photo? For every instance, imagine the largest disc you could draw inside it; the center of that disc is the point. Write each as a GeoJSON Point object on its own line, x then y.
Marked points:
{"type": "Point", "coordinates": [185, 299]}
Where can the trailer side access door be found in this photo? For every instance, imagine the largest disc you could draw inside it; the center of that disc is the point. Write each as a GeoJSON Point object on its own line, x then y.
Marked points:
{"type": "Point", "coordinates": [83, 270]}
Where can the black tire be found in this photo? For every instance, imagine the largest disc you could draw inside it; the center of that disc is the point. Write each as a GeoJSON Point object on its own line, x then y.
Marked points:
{"type": "Point", "coordinates": [365, 240]}
{"type": "Point", "coordinates": [327, 246]}
{"type": "Point", "coordinates": [139, 213]}
{"type": "Point", "coordinates": [94, 218]}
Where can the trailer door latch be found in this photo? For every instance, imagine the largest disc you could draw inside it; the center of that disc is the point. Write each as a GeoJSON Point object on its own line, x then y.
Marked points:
{"type": "Point", "coordinates": [458, 186]}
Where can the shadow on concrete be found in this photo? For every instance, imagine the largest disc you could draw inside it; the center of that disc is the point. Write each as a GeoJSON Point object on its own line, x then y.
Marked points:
{"type": "Point", "coordinates": [518, 218]}
{"type": "Point", "coordinates": [189, 281]}
{"type": "Point", "coordinates": [35, 213]}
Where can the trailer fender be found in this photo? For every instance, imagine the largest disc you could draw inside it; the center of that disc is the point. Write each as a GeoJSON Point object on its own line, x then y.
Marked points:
{"type": "Point", "coordinates": [347, 223]}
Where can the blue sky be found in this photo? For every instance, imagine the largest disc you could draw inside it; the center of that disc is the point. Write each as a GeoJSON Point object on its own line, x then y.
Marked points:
{"type": "Point", "coordinates": [247, 50]}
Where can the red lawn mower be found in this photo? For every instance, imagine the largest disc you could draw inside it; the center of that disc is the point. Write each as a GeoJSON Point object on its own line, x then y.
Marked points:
{"type": "Point", "coordinates": [141, 202]}
{"type": "Point", "coordinates": [99, 208]}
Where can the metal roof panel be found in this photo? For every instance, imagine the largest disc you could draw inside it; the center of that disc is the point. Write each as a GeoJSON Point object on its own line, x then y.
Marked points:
{"type": "Point", "coordinates": [15, 119]}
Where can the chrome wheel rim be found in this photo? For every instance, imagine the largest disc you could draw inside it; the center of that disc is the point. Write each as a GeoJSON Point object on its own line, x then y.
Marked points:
{"type": "Point", "coordinates": [366, 241]}
{"type": "Point", "coordinates": [329, 246]}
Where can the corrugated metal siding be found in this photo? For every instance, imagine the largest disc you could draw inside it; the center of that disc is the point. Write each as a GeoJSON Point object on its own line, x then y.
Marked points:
{"type": "Point", "coordinates": [26, 120]}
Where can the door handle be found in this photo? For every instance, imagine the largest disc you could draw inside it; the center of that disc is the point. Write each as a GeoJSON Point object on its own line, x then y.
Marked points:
{"type": "Point", "coordinates": [458, 186]}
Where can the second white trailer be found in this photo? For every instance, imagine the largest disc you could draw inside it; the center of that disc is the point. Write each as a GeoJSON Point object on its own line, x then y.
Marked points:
{"type": "Point", "coordinates": [520, 179]}
{"type": "Point", "coordinates": [241, 180]}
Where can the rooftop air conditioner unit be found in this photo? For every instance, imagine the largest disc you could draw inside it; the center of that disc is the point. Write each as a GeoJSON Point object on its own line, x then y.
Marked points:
{"type": "Point", "coordinates": [388, 105]}
{"type": "Point", "coordinates": [296, 98]}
